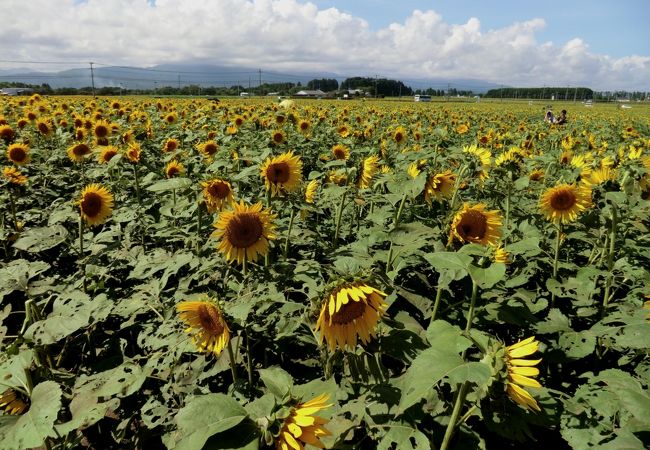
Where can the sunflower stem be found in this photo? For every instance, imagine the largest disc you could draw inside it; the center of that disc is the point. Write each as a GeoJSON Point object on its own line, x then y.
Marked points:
{"type": "Point", "coordinates": [396, 220]}
{"type": "Point", "coordinates": [81, 253]}
{"type": "Point", "coordinates": [28, 316]}
{"type": "Point", "coordinates": [436, 303]}
{"type": "Point", "coordinates": [285, 252]}
{"type": "Point", "coordinates": [339, 215]}
{"type": "Point", "coordinates": [231, 357]}
{"type": "Point", "coordinates": [137, 184]}
{"type": "Point", "coordinates": [13, 208]}
{"type": "Point", "coordinates": [507, 219]}
{"type": "Point", "coordinates": [452, 204]}
{"type": "Point", "coordinates": [451, 426]}
{"type": "Point", "coordinates": [472, 304]}
{"type": "Point", "coordinates": [249, 361]}
{"type": "Point", "coordinates": [610, 259]}
{"type": "Point", "coordinates": [556, 259]}
{"type": "Point", "coordinates": [199, 217]}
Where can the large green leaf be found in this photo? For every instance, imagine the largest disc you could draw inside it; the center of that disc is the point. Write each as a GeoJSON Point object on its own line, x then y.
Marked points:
{"type": "Point", "coordinates": [16, 275]}
{"type": "Point", "coordinates": [204, 416]}
{"type": "Point", "coordinates": [401, 436]}
{"type": "Point", "coordinates": [33, 427]}
{"type": "Point", "coordinates": [277, 381]}
{"type": "Point", "coordinates": [38, 239]}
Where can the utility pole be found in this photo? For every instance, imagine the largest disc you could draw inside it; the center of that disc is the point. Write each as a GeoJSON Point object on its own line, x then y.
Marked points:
{"type": "Point", "coordinates": [575, 94]}
{"type": "Point", "coordinates": [92, 77]}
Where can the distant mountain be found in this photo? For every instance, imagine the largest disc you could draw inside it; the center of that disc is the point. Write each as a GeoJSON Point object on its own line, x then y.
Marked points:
{"type": "Point", "coordinates": [202, 75]}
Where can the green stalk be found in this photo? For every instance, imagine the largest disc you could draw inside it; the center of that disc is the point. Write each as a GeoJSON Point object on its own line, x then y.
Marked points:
{"type": "Point", "coordinates": [462, 393]}
{"type": "Point", "coordinates": [556, 259]}
{"type": "Point", "coordinates": [137, 184]}
{"type": "Point", "coordinates": [507, 219]}
{"type": "Point", "coordinates": [249, 360]}
{"type": "Point", "coordinates": [199, 217]}
{"type": "Point", "coordinates": [13, 208]}
{"type": "Point", "coordinates": [452, 205]}
{"type": "Point", "coordinates": [286, 239]}
{"type": "Point", "coordinates": [81, 252]}
{"type": "Point", "coordinates": [231, 356]}
{"type": "Point", "coordinates": [436, 303]}
{"type": "Point", "coordinates": [267, 257]}
{"type": "Point", "coordinates": [397, 218]}
{"type": "Point", "coordinates": [339, 215]}
{"type": "Point", "coordinates": [610, 259]}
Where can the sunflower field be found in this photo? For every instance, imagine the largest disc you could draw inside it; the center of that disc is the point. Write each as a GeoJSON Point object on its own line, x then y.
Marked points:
{"type": "Point", "coordinates": [248, 274]}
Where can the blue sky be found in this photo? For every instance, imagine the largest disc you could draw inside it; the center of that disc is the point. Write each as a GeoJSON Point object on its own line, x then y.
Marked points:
{"type": "Point", "coordinates": [601, 44]}
{"type": "Point", "coordinates": [615, 28]}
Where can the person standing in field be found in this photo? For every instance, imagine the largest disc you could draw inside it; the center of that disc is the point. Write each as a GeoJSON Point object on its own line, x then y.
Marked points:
{"type": "Point", "coordinates": [549, 117]}
{"type": "Point", "coordinates": [561, 119]}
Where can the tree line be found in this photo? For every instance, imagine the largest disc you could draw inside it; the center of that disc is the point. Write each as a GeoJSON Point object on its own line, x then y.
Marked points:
{"type": "Point", "coordinates": [543, 93]}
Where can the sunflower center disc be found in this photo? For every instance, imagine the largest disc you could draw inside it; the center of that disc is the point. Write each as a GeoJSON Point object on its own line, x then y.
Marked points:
{"type": "Point", "coordinates": [348, 312]}
{"type": "Point", "coordinates": [339, 154]}
{"type": "Point", "coordinates": [18, 154]}
{"type": "Point", "coordinates": [210, 320]}
{"type": "Point", "coordinates": [278, 137]}
{"type": "Point", "coordinates": [219, 190]}
{"type": "Point", "coordinates": [80, 150]}
{"type": "Point", "coordinates": [210, 149]}
{"type": "Point", "coordinates": [278, 172]}
{"type": "Point", "coordinates": [244, 229]}
{"type": "Point", "coordinates": [473, 225]}
{"type": "Point", "coordinates": [563, 200]}
{"type": "Point", "coordinates": [101, 131]}
{"type": "Point", "coordinates": [91, 204]}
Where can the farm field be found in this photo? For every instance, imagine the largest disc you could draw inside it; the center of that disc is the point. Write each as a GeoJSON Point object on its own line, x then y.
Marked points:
{"type": "Point", "coordinates": [186, 274]}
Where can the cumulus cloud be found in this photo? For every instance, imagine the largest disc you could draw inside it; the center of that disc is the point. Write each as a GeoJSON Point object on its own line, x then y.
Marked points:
{"type": "Point", "coordinates": [294, 36]}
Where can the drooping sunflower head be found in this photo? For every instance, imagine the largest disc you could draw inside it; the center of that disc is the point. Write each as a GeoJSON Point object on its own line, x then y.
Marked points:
{"type": "Point", "coordinates": [536, 175]}
{"type": "Point", "coordinates": [78, 152]}
{"type": "Point", "coordinates": [133, 152]}
{"type": "Point", "coordinates": [477, 225]}
{"type": "Point", "coordinates": [350, 312]}
{"type": "Point", "coordinates": [205, 321]}
{"type": "Point", "coordinates": [439, 186]}
{"type": "Point", "coordinates": [302, 426]}
{"type": "Point", "coordinates": [18, 154]}
{"type": "Point", "coordinates": [400, 135]}
{"type": "Point", "coordinates": [310, 191]}
{"type": "Point", "coordinates": [481, 159]}
{"type": "Point", "coordinates": [244, 232]}
{"type": "Point", "coordinates": [282, 173]}
{"type": "Point", "coordinates": [341, 152]}
{"type": "Point", "coordinates": [13, 176]}
{"type": "Point", "coordinates": [95, 204]}
{"type": "Point", "coordinates": [174, 169]}
{"type": "Point", "coordinates": [107, 153]}
{"type": "Point", "coordinates": [563, 203]}
{"type": "Point", "coordinates": [368, 170]}
{"type": "Point", "coordinates": [217, 193]}
{"type": "Point", "coordinates": [520, 371]}
{"type": "Point", "coordinates": [209, 149]}
{"type": "Point", "coordinates": [13, 402]}
{"type": "Point", "coordinates": [44, 126]}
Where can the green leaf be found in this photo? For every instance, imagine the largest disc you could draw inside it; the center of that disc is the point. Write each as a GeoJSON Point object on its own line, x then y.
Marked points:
{"type": "Point", "coordinates": [16, 275]}
{"type": "Point", "coordinates": [170, 184]}
{"type": "Point", "coordinates": [403, 437]}
{"type": "Point", "coordinates": [204, 416]}
{"type": "Point", "coordinates": [38, 239]}
{"type": "Point", "coordinates": [433, 364]}
{"type": "Point", "coordinates": [488, 277]}
{"type": "Point", "coordinates": [277, 381]}
{"type": "Point", "coordinates": [451, 265]}
{"type": "Point", "coordinates": [32, 428]}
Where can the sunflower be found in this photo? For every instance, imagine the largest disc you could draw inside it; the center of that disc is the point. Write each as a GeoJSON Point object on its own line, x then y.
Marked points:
{"type": "Point", "coordinates": [7, 133]}
{"type": "Point", "coordinates": [171, 118]}
{"type": "Point", "coordinates": [343, 131]}
{"type": "Point", "coordinates": [351, 311]}
{"type": "Point", "coordinates": [217, 193]}
{"type": "Point", "coordinates": [208, 149]}
{"type": "Point", "coordinates": [18, 154]}
{"type": "Point", "coordinates": [440, 186]}
{"type": "Point", "coordinates": [102, 129]}
{"type": "Point", "coordinates": [476, 224]}
{"type": "Point", "coordinates": [601, 175]}
{"type": "Point", "coordinates": [563, 203]}
{"type": "Point", "coordinates": [245, 232]}
{"type": "Point", "coordinates": [368, 170]}
{"type": "Point", "coordinates": [338, 177]}
{"type": "Point", "coordinates": [174, 169]}
{"type": "Point", "coordinates": [44, 126]}
{"type": "Point", "coordinates": [484, 159]}
{"type": "Point", "coordinates": [107, 153]}
{"type": "Point", "coordinates": [95, 204]}
{"type": "Point", "coordinates": [536, 175]}
{"type": "Point", "coordinates": [399, 135]}
{"type": "Point", "coordinates": [13, 403]}
{"type": "Point", "coordinates": [77, 152]}
{"type": "Point", "coordinates": [302, 425]}
{"type": "Point", "coordinates": [462, 128]}
{"type": "Point", "coordinates": [133, 152]}
{"type": "Point", "coordinates": [282, 173]}
{"type": "Point", "coordinates": [501, 255]}
{"type": "Point", "coordinates": [14, 176]}
{"type": "Point", "coordinates": [206, 322]}
{"type": "Point", "coordinates": [170, 145]}
{"type": "Point", "coordinates": [278, 137]}
{"type": "Point", "coordinates": [304, 126]}
{"type": "Point", "coordinates": [520, 370]}
{"type": "Point", "coordinates": [341, 152]}
{"type": "Point", "coordinates": [310, 191]}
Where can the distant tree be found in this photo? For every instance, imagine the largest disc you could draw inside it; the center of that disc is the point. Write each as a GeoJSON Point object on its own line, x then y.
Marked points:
{"type": "Point", "coordinates": [324, 84]}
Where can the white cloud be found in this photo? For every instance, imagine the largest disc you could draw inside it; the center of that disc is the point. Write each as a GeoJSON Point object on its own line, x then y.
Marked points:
{"type": "Point", "coordinates": [294, 36]}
